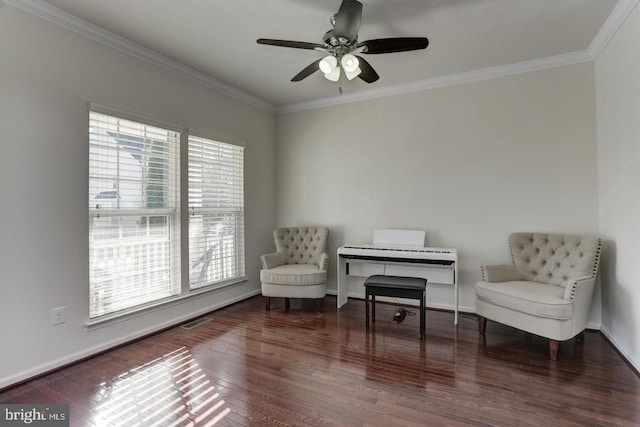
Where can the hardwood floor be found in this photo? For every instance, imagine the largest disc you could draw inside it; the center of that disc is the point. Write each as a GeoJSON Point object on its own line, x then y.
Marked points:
{"type": "Point", "coordinates": [248, 367]}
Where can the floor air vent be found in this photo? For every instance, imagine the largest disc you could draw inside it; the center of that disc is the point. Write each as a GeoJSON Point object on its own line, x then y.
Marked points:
{"type": "Point", "coordinates": [196, 323]}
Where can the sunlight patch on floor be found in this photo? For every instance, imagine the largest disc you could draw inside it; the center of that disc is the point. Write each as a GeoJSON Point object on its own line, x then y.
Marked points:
{"type": "Point", "coordinates": [171, 390]}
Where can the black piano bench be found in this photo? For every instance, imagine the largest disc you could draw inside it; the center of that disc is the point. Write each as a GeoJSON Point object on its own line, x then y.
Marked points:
{"type": "Point", "coordinates": [394, 286]}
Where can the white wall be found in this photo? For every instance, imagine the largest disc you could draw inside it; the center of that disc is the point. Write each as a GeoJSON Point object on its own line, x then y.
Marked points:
{"type": "Point", "coordinates": [469, 164]}
{"type": "Point", "coordinates": [47, 77]}
{"type": "Point", "coordinates": [617, 81]}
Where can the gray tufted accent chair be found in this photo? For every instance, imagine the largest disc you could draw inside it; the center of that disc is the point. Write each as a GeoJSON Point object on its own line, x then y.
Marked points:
{"type": "Point", "coordinates": [547, 290]}
{"type": "Point", "coordinates": [298, 268]}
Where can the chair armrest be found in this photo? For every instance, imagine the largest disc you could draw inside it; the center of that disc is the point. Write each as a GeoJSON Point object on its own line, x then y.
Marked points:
{"type": "Point", "coordinates": [579, 291]}
{"type": "Point", "coordinates": [579, 287]}
{"type": "Point", "coordinates": [273, 260]}
{"type": "Point", "coordinates": [500, 273]}
{"type": "Point", "coordinates": [323, 261]}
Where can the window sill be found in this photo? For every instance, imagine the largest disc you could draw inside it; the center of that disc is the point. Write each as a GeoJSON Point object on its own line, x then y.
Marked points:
{"type": "Point", "coordinates": [124, 315]}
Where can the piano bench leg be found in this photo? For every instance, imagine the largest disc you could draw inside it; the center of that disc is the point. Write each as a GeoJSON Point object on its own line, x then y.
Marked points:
{"type": "Point", "coordinates": [366, 311]}
{"type": "Point", "coordinates": [423, 322]}
{"type": "Point", "coordinates": [373, 308]}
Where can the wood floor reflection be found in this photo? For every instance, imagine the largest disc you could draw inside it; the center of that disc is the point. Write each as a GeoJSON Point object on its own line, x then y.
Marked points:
{"type": "Point", "coordinates": [248, 367]}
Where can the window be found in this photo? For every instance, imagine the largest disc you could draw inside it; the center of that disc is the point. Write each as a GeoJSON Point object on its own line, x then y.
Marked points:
{"type": "Point", "coordinates": [135, 219]}
{"type": "Point", "coordinates": [134, 246]}
{"type": "Point", "coordinates": [216, 212]}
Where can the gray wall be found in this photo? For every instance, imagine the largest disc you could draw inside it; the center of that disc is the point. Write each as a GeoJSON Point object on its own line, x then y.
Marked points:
{"type": "Point", "coordinates": [469, 164]}
{"type": "Point", "coordinates": [47, 77]}
{"type": "Point", "coordinates": [618, 111]}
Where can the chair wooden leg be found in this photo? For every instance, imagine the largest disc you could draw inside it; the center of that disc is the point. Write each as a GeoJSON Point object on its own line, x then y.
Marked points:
{"type": "Point", "coordinates": [287, 304]}
{"type": "Point", "coordinates": [580, 337]}
{"type": "Point", "coordinates": [318, 304]}
{"type": "Point", "coordinates": [482, 325]}
{"type": "Point", "coordinates": [553, 350]}
{"type": "Point", "coordinates": [267, 303]}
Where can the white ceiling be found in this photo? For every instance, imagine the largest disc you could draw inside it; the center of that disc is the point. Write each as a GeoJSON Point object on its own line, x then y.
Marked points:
{"type": "Point", "coordinates": [218, 38]}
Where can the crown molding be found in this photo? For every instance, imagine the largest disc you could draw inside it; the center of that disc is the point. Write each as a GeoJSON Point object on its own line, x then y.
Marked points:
{"type": "Point", "coordinates": [440, 82]}
{"type": "Point", "coordinates": [66, 20]}
{"type": "Point", "coordinates": [615, 20]}
{"type": "Point", "coordinates": [80, 26]}
{"type": "Point", "coordinates": [619, 14]}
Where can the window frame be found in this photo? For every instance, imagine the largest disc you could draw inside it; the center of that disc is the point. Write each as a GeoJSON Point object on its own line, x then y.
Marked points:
{"type": "Point", "coordinates": [181, 228]}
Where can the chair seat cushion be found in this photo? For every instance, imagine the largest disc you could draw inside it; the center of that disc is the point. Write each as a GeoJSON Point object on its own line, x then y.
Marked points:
{"type": "Point", "coordinates": [294, 274]}
{"type": "Point", "coordinates": [537, 299]}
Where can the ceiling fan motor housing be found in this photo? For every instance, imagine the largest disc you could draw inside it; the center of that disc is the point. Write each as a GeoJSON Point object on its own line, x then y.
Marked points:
{"type": "Point", "coordinates": [330, 39]}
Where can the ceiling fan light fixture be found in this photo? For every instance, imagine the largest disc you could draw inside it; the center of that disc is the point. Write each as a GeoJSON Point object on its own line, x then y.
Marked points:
{"type": "Point", "coordinates": [334, 76]}
{"type": "Point", "coordinates": [350, 63]}
{"type": "Point", "coordinates": [328, 64]}
{"type": "Point", "coordinates": [352, 74]}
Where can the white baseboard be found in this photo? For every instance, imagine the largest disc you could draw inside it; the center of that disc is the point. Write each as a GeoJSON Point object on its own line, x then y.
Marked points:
{"type": "Point", "coordinates": [621, 349]}
{"type": "Point", "coordinates": [594, 326]}
{"type": "Point", "coordinates": [71, 358]}
{"type": "Point", "coordinates": [449, 307]}
{"type": "Point", "coordinates": [414, 303]}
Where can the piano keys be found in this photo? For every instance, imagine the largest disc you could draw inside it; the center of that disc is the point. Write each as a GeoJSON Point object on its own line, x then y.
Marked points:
{"type": "Point", "coordinates": [398, 253]}
{"type": "Point", "coordinates": [417, 255]}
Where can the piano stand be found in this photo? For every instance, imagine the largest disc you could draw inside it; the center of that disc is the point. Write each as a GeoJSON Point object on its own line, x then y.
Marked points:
{"type": "Point", "coordinates": [394, 286]}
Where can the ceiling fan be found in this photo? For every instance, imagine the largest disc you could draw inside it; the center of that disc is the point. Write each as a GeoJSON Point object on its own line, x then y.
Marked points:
{"type": "Point", "coordinates": [341, 44]}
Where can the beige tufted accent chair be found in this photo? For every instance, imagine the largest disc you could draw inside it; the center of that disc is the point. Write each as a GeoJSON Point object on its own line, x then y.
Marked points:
{"type": "Point", "coordinates": [298, 268]}
{"type": "Point", "coordinates": [548, 289]}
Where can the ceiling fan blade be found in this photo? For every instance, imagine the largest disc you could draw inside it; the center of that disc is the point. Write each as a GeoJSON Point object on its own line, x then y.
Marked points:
{"type": "Point", "coordinates": [400, 44]}
{"type": "Point", "coordinates": [290, 43]}
{"type": "Point", "coordinates": [309, 69]}
{"type": "Point", "coordinates": [347, 20]}
{"type": "Point", "coordinates": [368, 74]}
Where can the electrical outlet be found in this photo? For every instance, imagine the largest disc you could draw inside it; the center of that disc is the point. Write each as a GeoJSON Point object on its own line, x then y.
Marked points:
{"type": "Point", "coordinates": [58, 315]}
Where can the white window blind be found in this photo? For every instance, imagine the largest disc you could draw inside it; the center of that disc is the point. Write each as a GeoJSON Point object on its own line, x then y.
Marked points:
{"type": "Point", "coordinates": [216, 212]}
{"type": "Point", "coordinates": [134, 246]}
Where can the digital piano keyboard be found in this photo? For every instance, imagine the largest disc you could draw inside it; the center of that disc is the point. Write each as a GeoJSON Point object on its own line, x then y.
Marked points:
{"type": "Point", "coordinates": [437, 265]}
